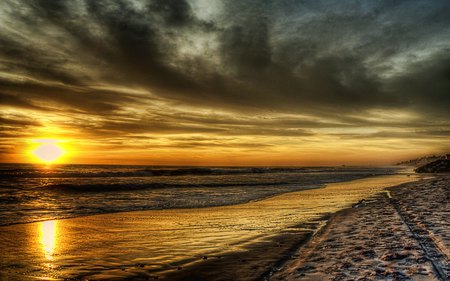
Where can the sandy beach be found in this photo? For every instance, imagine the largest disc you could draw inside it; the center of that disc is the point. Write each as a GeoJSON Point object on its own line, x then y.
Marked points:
{"type": "Point", "coordinates": [238, 242]}
{"type": "Point", "coordinates": [402, 234]}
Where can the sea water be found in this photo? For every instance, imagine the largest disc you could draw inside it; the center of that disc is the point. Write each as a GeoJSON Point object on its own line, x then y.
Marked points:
{"type": "Point", "coordinates": [30, 193]}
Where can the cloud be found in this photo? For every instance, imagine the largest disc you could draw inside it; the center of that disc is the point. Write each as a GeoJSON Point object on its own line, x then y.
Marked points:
{"type": "Point", "coordinates": [427, 86]}
{"type": "Point", "coordinates": [271, 68]}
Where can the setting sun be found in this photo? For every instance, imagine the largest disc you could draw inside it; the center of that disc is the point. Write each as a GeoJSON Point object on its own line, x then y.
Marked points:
{"type": "Point", "coordinates": [47, 151]}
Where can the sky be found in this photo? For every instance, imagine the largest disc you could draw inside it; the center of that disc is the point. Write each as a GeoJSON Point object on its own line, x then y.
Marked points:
{"type": "Point", "coordinates": [209, 82]}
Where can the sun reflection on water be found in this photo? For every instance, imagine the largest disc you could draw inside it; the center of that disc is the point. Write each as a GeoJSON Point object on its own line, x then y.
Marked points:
{"type": "Point", "coordinates": [48, 231]}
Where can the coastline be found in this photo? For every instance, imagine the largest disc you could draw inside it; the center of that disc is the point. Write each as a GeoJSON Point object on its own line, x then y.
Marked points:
{"type": "Point", "coordinates": [402, 234]}
{"type": "Point", "coordinates": [61, 197]}
{"type": "Point", "coordinates": [175, 242]}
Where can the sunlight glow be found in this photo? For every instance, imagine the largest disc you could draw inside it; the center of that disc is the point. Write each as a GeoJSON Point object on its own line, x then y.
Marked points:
{"type": "Point", "coordinates": [48, 234]}
{"type": "Point", "coordinates": [47, 151]}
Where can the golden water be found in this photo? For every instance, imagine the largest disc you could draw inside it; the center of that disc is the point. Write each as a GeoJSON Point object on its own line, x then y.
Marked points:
{"type": "Point", "coordinates": [114, 245]}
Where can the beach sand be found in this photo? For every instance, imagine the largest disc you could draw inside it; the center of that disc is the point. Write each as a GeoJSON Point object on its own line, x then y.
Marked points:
{"type": "Point", "coordinates": [239, 242]}
{"type": "Point", "coordinates": [403, 234]}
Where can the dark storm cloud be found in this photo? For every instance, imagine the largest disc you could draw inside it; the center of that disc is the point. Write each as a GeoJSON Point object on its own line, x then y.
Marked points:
{"type": "Point", "coordinates": [330, 59]}
{"type": "Point", "coordinates": [62, 97]}
{"type": "Point", "coordinates": [328, 54]}
{"type": "Point", "coordinates": [21, 57]}
{"type": "Point", "coordinates": [17, 101]}
{"type": "Point", "coordinates": [161, 126]}
{"type": "Point", "coordinates": [427, 86]}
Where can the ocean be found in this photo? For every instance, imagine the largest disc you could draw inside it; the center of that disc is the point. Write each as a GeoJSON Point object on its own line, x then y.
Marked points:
{"type": "Point", "coordinates": [30, 193]}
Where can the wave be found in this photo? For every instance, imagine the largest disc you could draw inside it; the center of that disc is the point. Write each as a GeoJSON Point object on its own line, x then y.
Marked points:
{"type": "Point", "coordinates": [29, 193]}
{"type": "Point", "coordinates": [82, 171]}
{"type": "Point", "coordinates": [145, 172]}
{"type": "Point", "coordinates": [135, 186]}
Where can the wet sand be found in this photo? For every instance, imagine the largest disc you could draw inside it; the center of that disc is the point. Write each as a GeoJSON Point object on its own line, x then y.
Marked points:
{"type": "Point", "coordinates": [400, 235]}
{"type": "Point", "coordinates": [242, 242]}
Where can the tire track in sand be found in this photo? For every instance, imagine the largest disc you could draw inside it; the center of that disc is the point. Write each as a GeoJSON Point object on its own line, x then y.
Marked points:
{"type": "Point", "coordinates": [437, 256]}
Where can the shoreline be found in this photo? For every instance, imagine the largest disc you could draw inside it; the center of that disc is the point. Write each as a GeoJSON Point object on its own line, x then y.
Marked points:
{"type": "Point", "coordinates": [313, 186]}
{"type": "Point", "coordinates": [291, 248]}
{"type": "Point", "coordinates": [274, 224]}
{"type": "Point", "coordinates": [411, 242]}
{"type": "Point", "coordinates": [183, 208]}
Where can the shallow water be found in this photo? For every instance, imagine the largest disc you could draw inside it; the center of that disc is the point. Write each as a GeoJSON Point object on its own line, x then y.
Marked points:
{"type": "Point", "coordinates": [155, 242]}
{"type": "Point", "coordinates": [30, 193]}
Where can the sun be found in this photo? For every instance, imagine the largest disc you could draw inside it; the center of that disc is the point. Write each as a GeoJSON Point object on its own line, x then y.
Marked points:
{"type": "Point", "coordinates": [47, 151]}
